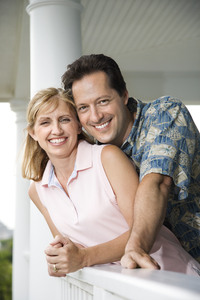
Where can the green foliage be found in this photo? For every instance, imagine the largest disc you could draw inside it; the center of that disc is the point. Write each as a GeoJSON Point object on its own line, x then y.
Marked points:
{"type": "Point", "coordinates": [6, 270]}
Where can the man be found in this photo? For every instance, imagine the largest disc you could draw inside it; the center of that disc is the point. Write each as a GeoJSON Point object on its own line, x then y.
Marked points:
{"type": "Point", "coordinates": [162, 140]}
{"type": "Point", "coordinates": [159, 137]}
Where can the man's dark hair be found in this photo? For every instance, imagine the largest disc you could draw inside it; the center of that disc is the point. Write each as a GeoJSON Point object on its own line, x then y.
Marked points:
{"type": "Point", "coordinates": [89, 64]}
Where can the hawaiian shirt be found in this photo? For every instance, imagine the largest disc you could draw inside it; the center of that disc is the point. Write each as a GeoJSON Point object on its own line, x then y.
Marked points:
{"type": "Point", "coordinates": [164, 139]}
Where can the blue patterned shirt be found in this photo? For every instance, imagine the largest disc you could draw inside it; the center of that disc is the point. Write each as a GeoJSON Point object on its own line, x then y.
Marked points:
{"type": "Point", "coordinates": [165, 140]}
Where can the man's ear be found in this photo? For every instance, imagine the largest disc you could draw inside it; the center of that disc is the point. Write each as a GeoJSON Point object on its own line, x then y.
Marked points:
{"type": "Point", "coordinates": [32, 134]}
{"type": "Point", "coordinates": [125, 97]}
{"type": "Point", "coordinates": [79, 127]}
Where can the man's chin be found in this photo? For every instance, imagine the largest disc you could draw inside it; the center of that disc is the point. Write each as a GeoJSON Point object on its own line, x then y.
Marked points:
{"type": "Point", "coordinates": [101, 137]}
{"type": "Point", "coordinates": [103, 140]}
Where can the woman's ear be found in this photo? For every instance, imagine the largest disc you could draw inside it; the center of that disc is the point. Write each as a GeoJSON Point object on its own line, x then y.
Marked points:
{"type": "Point", "coordinates": [32, 134]}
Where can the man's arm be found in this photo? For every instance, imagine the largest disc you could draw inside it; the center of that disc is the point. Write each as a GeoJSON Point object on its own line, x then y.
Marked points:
{"type": "Point", "coordinates": [149, 213]}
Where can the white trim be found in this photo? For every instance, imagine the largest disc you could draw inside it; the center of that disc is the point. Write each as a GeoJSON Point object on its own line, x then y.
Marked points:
{"type": "Point", "coordinates": [114, 282]}
{"type": "Point", "coordinates": [38, 3]}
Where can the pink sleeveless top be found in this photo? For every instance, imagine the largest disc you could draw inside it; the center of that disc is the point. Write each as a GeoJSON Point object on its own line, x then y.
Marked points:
{"type": "Point", "coordinates": [90, 215]}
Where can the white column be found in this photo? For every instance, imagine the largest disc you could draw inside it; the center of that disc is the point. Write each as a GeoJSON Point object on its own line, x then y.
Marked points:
{"type": "Point", "coordinates": [21, 229]}
{"type": "Point", "coordinates": [55, 39]}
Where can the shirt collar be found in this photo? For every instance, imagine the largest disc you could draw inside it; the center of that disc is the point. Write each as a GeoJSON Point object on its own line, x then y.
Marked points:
{"type": "Point", "coordinates": [132, 107]}
{"type": "Point", "coordinates": [48, 173]}
{"type": "Point", "coordinates": [84, 156]}
{"type": "Point", "coordinates": [83, 161]}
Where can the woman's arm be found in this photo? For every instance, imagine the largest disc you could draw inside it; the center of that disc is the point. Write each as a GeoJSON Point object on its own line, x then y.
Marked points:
{"type": "Point", "coordinates": [70, 257]}
{"type": "Point", "coordinates": [123, 179]}
{"type": "Point", "coordinates": [36, 200]}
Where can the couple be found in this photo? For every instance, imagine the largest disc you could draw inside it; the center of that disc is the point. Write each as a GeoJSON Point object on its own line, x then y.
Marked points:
{"type": "Point", "coordinates": [90, 195]}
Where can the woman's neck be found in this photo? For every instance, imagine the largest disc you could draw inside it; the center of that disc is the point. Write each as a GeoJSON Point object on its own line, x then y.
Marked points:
{"type": "Point", "coordinates": [64, 166]}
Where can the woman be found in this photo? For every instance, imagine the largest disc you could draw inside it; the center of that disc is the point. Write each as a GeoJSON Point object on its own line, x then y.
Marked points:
{"type": "Point", "coordinates": [85, 192]}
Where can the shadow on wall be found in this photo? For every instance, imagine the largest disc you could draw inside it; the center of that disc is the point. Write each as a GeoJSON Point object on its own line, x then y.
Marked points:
{"type": "Point", "coordinates": [148, 86]}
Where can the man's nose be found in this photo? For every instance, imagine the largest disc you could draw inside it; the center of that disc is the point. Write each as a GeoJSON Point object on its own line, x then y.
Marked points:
{"type": "Point", "coordinates": [96, 115]}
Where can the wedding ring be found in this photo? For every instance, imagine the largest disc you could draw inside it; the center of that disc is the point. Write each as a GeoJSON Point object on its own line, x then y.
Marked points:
{"type": "Point", "coordinates": [55, 269]}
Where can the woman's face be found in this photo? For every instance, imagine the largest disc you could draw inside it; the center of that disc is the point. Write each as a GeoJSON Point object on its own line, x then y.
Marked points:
{"type": "Point", "coordinates": [57, 131]}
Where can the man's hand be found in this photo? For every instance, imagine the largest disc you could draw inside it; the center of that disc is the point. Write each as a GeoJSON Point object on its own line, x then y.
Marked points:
{"type": "Point", "coordinates": [64, 257]}
{"type": "Point", "coordinates": [133, 259]}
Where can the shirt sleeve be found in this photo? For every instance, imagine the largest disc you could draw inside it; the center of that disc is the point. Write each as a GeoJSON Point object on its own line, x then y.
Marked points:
{"type": "Point", "coordinates": [172, 143]}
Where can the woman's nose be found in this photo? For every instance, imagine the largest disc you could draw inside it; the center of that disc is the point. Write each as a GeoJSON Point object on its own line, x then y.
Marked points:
{"type": "Point", "coordinates": [57, 128]}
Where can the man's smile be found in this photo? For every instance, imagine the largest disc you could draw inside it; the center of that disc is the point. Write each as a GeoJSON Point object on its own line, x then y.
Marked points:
{"type": "Point", "coordinates": [103, 125]}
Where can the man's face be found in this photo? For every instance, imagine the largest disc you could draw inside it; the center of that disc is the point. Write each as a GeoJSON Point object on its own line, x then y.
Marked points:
{"type": "Point", "coordinates": [102, 112]}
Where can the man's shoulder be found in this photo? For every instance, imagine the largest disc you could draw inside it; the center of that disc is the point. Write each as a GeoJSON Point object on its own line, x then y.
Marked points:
{"type": "Point", "coordinates": [164, 100]}
{"type": "Point", "coordinates": [163, 104]}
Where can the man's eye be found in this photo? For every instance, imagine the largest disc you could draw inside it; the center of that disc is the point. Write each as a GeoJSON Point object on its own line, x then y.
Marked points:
{"type": "Point", "coordinates": [82, 108]}
{"type": "Point", "coordinates": [105, 101]}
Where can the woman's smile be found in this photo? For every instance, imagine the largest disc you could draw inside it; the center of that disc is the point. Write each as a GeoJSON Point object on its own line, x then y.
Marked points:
{"type": "Point", "coordinates": [58, 141]}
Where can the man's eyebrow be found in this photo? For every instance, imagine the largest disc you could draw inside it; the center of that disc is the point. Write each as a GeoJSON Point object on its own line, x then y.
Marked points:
{"type": "Point", "coordinates": [97, 99]}
{"type": "Point", "coordinates": [103, 96]}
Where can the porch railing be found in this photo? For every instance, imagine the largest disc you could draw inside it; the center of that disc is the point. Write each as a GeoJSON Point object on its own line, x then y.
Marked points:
{"type": "Point", "coordinates": [112, 282]}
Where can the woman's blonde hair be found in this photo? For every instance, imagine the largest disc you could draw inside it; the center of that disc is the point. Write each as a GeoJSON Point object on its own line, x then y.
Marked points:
{"type": "Point", "coordinates": [34, 157]}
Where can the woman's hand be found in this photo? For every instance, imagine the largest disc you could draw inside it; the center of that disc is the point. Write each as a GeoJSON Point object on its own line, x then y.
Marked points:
{"type": "Point", "coordinates": [63, 257]}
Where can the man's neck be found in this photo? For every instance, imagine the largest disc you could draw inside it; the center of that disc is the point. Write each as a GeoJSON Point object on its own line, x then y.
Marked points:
{"type": "Point", "coordinates": [130, 121]}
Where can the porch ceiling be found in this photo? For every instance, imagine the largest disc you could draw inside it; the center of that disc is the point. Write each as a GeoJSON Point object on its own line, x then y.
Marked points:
{"type": "Point", "coordinates": [143, 36]}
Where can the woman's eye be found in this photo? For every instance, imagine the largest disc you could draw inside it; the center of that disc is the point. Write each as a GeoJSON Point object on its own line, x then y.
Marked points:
{"type": "Point", "coordinates": [44, 123]}
{"type": "Point", "coordinates": [65, 120]}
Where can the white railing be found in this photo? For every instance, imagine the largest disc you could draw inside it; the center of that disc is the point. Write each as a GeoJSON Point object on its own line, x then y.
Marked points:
{"type": "Point", "coordinates": [112, 282]}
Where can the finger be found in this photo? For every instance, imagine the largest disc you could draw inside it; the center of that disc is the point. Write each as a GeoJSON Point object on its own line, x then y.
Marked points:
{"type": "Point", "coordinates": [59, 268]}
{"type": "Point", "coordinates": [56, 240]}
{"type": "Point", "coordinates": [59, 245]}
{"type": "Point", "coordinates": [146, 262]}
{"type": "Point", "coordinates": [52, 259]}
{"type": "Point", "coordinates": [54, 271]}
{"type": "Point", "coordinates": [60, 239]}
{"type": "Point", "coordinates": [128, 262]}
{"type": "Point", "coordinates": [52, 251]}
{"type": "Point", "coordinates": [54, 268]}
{"type": "Point", "coordinates": [133, 260]}
{"type": "Point", "coordinates": [155, 262]}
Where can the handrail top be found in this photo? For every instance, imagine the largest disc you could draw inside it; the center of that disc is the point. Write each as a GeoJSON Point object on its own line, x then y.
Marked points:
{"type": "Point", "coordinates": [156, 284]}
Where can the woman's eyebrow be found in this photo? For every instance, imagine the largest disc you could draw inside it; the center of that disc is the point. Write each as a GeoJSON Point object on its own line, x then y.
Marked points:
{"type": "Point", "coordinates": [43, 118]}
